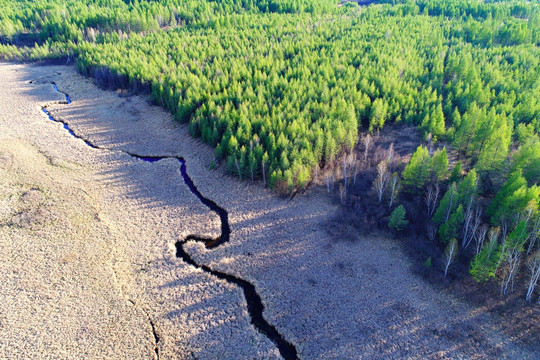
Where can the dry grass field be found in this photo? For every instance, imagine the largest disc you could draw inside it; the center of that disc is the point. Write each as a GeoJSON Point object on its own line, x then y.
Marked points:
{"type": "Point", "coordinates": [87, 256]}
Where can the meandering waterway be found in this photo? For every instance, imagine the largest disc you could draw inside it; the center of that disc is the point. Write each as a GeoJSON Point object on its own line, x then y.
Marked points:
{"type": "Point", "coordinates": [255, 306]}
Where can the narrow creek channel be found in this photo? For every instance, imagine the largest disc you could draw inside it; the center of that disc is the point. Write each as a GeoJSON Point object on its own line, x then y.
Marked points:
{"type": "Point", "coordinates": [254, 303]}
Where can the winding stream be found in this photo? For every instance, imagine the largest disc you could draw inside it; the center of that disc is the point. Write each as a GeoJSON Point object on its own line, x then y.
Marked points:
{"type": "Point", "coordinates": [254, 303]}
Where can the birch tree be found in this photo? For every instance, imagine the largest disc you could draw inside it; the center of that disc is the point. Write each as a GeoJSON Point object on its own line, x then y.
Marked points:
{"type": "Point", "coordinates": [480, 237]}
{"type": "Point", "coordinates": [391, 158]}
{"type": "Point", "coordinates": [381, 181]}
{"type": "Point", "coordinates": [356, 168]}
{"type": "Point", "coordinates": [349, 165]}
{"type": "Point", "coordinates": [534, 267]}
{"type": "Point", "coordinates": [394, 187]}
{"type": "Point", "coordinates": [431, 231]}
{"type": "Point", "coordinates": [446, 206]}
{"type": "Point", "coordinates": [431, 199]}
{"type": "Point", "coordinates": [367, 140]}
{"type": "Point", "coordinates": [535, 233]}
{"type": "Point", "coordinates": [450, 254]}
{"type": "Point", "coordinates": [329, 177]}
{"type": "Point", "coordinates": [342, 193]}
{"type": "Point", "coordinates": [471, 224]}
{"type": "Point", "coordinates": [513, 259]}
{"type": "Point", "coordinates": [512, 256]}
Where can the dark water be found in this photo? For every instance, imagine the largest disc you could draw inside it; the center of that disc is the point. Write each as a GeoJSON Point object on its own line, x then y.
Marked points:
{"type": "Point", "coordinates": [68, 100]}
{"type": "Point", "coordinates": [253, 300]}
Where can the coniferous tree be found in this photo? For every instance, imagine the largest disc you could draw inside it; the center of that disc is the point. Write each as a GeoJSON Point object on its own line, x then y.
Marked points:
{"type": "Point", "coordinates": [448, 204]}
{"type": "Point", "coordinates": [451, 228]}
{"type": "Point", "coordinates": [416, 173]}
{"type": "Point", "coordinates": [398, 219]}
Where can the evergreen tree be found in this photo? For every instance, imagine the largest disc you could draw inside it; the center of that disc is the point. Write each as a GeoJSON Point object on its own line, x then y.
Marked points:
{"type": "Point", "coordinates": [457, 173]}
{"type": "Point", "coordinates": [447, 205]}
{"type": "Point", "coordinates": [485, 263]}
{"type": "Point", "coordinates": [398, 219]}
{"type": "Point", "coordinates": [439, 165]}
{"type": "Point", "coordinates": [527, 160]}
{"type": "Point", "coordinates": [378, 114]}
{"type": "Point", "coordinates": [416, 173]}
{"type": "Point", "coordinates": [451, 228]}
{"type": "Point", "coordinates": [468, 188]}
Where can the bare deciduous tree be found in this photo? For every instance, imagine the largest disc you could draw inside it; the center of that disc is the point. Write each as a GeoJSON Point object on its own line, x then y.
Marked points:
{"type": "Point", "coordinates": [513, 259]}
{"type": "Point", "coordinates": [316, 170]}
{"type": "Point", "coordinates": [450, 254]}
{"type": "Point", "coordinates": [534, 267]}
{"type": "Point", "coordinates": [367, 140]}
{"type": "Point", "coordinates": [264, 170]}
{"type": "Point", "coordinates": [471, 224]}
{"type": "Point", "coordinates": [238, 168]}
{"type": "Point", "coordinates": [535, 233]}
{"type": "Point", "coordinates": [329, 180]}
{"type": "Point", "coordinates": [382, 179]}
{"type": "Point", "coordinates": [345, 170]}
{"type": "Point", "coordinates": [395, 186]}
{"type": "Point", "coordinates": [355, 171]}
{"type": "Point", "coordinates": [431, 231]}
{"type": "Point", "coordinates": [348, 164]}
{"type": "Point", "coordinates": [480, 237]}
{"type": "Point", "coordinates": [429, 138]}
{"type": "Point", "coordinates": [391, 158]}
{"type": "Point", "coordinates": [504, 245]}
{"type": "Point", "coordinates": [494, 233]}
{"type": "Point", "coordinates": [431, 198]}
{"type": "Point", "coordinates": [450, 204]}
{"type": "Point", "coordinates": [342, 193]}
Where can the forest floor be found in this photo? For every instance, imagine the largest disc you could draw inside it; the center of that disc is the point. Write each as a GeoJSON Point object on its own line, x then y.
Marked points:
{"type": "Point", "coordinates": [362, 210]}
{"type": "Point", "coordinates": [87, 256]}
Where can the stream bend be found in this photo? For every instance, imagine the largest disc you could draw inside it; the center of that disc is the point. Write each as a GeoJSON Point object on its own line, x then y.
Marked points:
{"type": "Point", "coordinates": [254, 302]}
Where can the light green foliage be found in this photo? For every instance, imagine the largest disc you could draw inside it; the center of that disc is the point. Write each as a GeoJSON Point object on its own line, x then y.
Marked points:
{"type": "Point", "coordinates": [422, 168]}
{"type": "Point", "coordinates": [513, 198]}
{"type": "Point", "coordinates": [518, 236]}
{"type": "Point", "coordinates": [447, 205]}
{"type": "Point", "coordinates": [433, 122]}
{"type": "Point", "coordinates": [484, 264]}
{"type": "Point", "coordinates": [495, 142]}
{"type": "Point", "coordinates": [457, 173]}
{"type": "Point", "coordinates": [527, 160]}
{"type": "Point", "coordinates": [524, 133]}
{"type": "Point", "coordinates": [416, 173]}
{"type": "Point", "coordinates": [378, 114]}
{"type": "Point", "coordinates": [398, 219]}
{"type": "Point", "coordinates": [467, 189]}
{"type": "Point", "coordinates": [439, 165]}
{"type": "Point", "coordinates": [483, 136]}
{"type": "Point", "coordinates": [294, 79]}
{"type": "Point", "coordinates": [451, 228]}
{"type": "Point", "coordinates": [455, 197]}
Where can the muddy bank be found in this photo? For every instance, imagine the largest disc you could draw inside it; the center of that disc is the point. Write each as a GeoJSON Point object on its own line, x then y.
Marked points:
{"type": "Point", "coordinates": [330, 297]}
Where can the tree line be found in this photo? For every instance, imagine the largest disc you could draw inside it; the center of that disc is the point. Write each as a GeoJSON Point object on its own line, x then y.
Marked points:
{"type": "Point", "coordinates": [281, 88]}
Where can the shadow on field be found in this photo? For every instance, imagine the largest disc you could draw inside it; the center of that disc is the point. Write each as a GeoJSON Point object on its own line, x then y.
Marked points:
{"type": "Point", "coordinates": [333, 299]}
